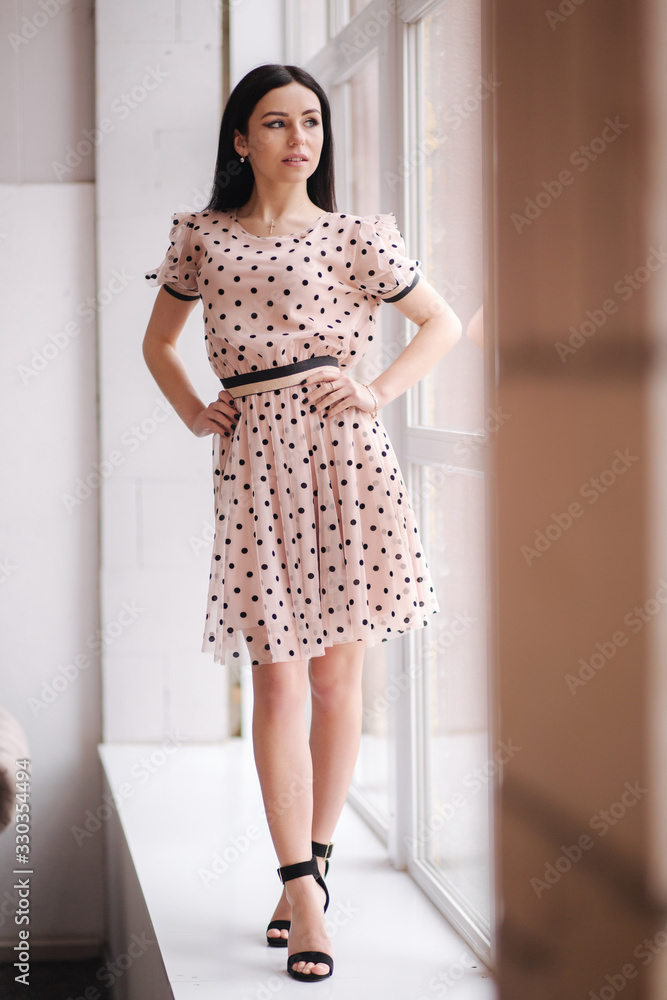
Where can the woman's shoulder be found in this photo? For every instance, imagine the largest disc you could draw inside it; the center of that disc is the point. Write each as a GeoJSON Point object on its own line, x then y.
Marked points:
{"type": "Point", "coordinates": [195, 220]}
{"type": "Point", "coordinates": [215, 215]}
{"type": "Point", "coordinates": [180, 218]}
{"type": "Point", "coordinates": [386, 219]}
{"type": "Point", "coordinates": [372, 228]}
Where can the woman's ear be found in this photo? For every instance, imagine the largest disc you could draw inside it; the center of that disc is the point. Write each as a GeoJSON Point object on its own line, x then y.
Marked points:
{"type": "Point", "coordinates": [240, 144]}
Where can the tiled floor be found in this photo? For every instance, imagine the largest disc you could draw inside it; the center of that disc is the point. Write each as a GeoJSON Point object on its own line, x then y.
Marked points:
{"type": "Point", "coordinates": [207, 870]}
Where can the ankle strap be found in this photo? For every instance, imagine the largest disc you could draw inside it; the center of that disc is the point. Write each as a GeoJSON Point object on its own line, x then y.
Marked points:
{"type": "Point", "coordinates": [288, 872]}
{"type": "Point", "coordinates": [322, 850]}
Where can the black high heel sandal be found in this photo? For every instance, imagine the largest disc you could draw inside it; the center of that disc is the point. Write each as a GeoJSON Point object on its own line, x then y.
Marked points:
{"type": "Point", "coordinates": [286, 874]}
{"type": "Point", "coordinates": [321, 851]}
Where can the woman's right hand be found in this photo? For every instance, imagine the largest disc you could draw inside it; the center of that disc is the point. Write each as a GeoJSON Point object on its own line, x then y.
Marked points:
{"type": "Point", "coordinates": [219, 417]}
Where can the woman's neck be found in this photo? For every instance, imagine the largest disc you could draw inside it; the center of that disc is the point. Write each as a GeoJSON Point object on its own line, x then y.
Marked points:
{"type": "Point", "coordinates": [274, 210]}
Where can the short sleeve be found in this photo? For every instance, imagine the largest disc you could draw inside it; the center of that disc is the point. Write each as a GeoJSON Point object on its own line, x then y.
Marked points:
{"type": "Point", "coordinates": [178, 270]}
{"type": "Point", "coordinates": [381, 266]}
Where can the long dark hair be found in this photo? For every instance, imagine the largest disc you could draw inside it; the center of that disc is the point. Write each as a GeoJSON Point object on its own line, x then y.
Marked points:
{"type": "Point", "coordinates": [233, 182]}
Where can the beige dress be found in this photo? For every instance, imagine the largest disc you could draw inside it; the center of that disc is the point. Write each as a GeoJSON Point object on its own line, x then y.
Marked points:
{"type": "Point", "coordinates": [315, 539]}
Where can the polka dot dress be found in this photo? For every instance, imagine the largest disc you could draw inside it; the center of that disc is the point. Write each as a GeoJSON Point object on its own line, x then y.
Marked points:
{"type": "Point", "coordinates": [315, 540]}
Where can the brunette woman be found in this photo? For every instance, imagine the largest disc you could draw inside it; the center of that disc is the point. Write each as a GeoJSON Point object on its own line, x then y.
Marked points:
{"type": "Point", "coordinates": [316, 552]}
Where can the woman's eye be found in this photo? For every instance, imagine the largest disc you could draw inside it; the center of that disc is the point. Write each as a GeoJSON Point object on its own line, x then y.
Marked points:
{"type": "Point", "coordinates": [308, 121]}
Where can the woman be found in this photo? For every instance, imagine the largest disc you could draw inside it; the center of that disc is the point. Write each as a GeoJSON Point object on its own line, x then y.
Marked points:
{"type": "Point", "coordinates": [316, 550]}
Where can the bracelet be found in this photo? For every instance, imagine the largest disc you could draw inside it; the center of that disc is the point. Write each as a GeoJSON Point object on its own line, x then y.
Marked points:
{"type": "Point", "coordinates": [375, 401]}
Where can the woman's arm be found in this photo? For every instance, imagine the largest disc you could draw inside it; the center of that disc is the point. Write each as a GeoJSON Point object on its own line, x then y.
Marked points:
{"type": "Point", "coordinates": [439, 329]}
{"type": "Point", "coordinates": [475, 331]}
{"type": "Point", "coordinates": [159, 346]}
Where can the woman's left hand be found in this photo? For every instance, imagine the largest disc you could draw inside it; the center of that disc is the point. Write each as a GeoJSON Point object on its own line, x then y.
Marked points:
{"type": "Point", "coordinates": [335, 392]}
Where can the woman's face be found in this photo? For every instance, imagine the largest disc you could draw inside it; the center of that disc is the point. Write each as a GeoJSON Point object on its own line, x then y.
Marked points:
{"type": "Point", "coordinates": [285, 137]}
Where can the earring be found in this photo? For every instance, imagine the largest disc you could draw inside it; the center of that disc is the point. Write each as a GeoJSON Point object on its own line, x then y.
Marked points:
{"type": "Point", "coordinates": [243, 159]}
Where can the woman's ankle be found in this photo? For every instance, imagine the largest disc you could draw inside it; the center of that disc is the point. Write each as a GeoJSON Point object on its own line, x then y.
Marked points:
{"type": "Point", "coordinates": [300, 889]}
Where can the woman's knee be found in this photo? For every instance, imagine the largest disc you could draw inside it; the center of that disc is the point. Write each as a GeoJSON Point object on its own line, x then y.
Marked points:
{"type": "Point", "coordinates": [280, 688]}
{"type": "Point", "coordinates": [335, 676]}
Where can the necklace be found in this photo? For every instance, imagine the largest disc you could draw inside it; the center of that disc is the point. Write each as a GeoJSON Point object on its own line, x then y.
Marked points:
{"type": "Point", "coordinates": [273, 220]}
{"type": "Point", "coordinates": [272, 224]}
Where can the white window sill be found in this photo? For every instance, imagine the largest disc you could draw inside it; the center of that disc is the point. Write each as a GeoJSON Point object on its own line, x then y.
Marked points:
{"type": "Point", "coordinates": [187, 803]}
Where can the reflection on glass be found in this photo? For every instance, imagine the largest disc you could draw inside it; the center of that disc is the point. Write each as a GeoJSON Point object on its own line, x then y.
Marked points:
{"type": "Point", "coordinates": [371, 776]}
{"type": "Point", "coordinates": [449, 151]}
{"type": "Point", "coordinates": [357, 5]}
{"type": "Point", "coordinates": [453, 832]}
{"type": "Point", "coordinates": [359, 159]}
{"type": "Point", "coordinates": [364, 160]}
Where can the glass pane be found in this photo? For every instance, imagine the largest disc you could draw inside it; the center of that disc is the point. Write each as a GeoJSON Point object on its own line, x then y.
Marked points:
{"type": "Point", "coordinates": [371, 774]}
{"type": "Point", "coordinates": [313, 28]}
{"type": "Point", "coordinates": [450, 150]}
{"type": "Point", "coordinates": [357, 133]}
{"type": "Point", "coordinates": [453, 834]}
{"type": "Point", "coordinates": [364, 159]}
{"type": "Point", "coordinates": [357, 5]}
{"type": "Point", "coordinates": [347, 9]}
{"type": "Point", "coordinates": [358, 143]}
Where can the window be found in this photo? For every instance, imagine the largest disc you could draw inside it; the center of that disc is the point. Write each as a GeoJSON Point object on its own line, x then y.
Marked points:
{"type": "Point", "coordinates": [448, 156]}
{"type": "Point", "coordinates": [356, 6]}
{"type": "Point", "coordinates": [451, 843]}
{"type": "Point", "coordinates": [452, 846]}
{"type": "Point", "coordinates": [358, 190]}
{"type": "Point", "coordinates": [308, 23]}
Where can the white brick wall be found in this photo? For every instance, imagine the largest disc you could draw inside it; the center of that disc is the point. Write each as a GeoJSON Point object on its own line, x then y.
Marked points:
{"type": "Point", "coordinates": [257, 35]}
{"type": "Point", "coordinates": [159, 93]}
{"type": "Point", "coordinates": [48, 549]}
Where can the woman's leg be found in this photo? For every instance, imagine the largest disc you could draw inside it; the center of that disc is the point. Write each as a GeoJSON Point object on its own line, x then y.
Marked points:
{"type": "Point", "coordinates": [335, 732]}
{"type": "Point", "coordinates": [335, 679]}
{"type": "Point", "coordinates": [284, 766]}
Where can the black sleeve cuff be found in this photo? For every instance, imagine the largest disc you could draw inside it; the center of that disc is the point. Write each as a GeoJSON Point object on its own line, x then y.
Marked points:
{"type": "Point", "coordinates": [403, 291]}
{"type": "Point", "coordinates": [180, 295]}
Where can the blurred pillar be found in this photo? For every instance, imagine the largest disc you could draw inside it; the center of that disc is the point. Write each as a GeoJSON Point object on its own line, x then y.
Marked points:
{"type": "Point", "coordinates": [575, 265]}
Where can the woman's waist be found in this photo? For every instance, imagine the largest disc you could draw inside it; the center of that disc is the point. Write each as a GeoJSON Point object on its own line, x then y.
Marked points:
{"type": "Point", "coordinates": [277, 376]}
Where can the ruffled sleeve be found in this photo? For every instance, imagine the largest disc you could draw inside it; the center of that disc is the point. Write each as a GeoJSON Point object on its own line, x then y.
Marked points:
{"type": "Point", "coordinates": [178, 270]}
{"type": "Point", "coordinates": [381, 266]}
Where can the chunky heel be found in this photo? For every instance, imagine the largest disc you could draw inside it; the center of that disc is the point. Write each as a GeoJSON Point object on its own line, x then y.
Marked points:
{"type": "Point", "coordinates": [286, 874]}
{"type": "Point", "coordinates": [321, 851]}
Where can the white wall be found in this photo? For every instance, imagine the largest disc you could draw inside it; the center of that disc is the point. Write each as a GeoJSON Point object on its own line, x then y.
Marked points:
{"type": "Point", "coordinates": [256, 35]}
{"type": "Point", "coordinates": [46, 76]}
{"type": "Point", "coordinates": [159, 91]}
{"type": "Point", "coordinates": [48, 409]}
